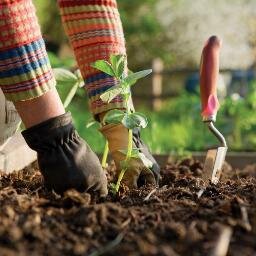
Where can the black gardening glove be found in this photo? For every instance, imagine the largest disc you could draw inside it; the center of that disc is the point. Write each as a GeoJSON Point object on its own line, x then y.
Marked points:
{"type": "Point", "coordinates": [65, 159]}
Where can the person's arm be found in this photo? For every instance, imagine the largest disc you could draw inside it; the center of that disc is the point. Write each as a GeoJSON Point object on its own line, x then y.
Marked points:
{"type": "Point", "coordinates": [25, 71]}
{"type": "Point", "coordinates": [26, 78]}
{"type": "Point", "coordinates": [95, 32]}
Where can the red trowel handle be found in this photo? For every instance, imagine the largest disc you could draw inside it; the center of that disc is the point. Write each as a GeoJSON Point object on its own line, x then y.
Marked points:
{"type": "Point", "coordinates": [209, 71]}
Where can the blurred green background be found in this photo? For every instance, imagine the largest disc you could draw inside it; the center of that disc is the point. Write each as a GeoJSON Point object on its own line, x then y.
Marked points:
{"type": "Point", "coordinates": [174, 31]}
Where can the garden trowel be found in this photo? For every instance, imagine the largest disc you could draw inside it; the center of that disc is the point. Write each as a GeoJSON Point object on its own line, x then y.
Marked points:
{"type": "Point", "coordinates": [209, 71]}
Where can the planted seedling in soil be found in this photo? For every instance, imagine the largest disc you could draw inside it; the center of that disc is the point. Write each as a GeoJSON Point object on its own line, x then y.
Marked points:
{"type": "Point", "coordinates": [116, 67]}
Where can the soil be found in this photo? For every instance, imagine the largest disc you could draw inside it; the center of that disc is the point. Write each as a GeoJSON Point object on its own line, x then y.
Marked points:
{"type": "Point", "coordinates": [169, 220]}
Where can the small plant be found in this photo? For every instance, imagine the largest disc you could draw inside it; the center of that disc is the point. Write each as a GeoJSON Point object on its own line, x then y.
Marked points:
{"type": "Point", "coordinates": [116, 67]}
{"type": "Point", "coordinates": [70, 83]}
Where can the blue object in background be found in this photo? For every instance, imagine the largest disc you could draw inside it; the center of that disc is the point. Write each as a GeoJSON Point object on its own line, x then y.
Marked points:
{"type": "Point", "coordinates": [240, 81]}
{"type": "Point", "coordinates": [192, 83]}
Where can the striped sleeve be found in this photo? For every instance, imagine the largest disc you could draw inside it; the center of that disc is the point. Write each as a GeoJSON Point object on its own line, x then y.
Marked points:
{"type": "Point", "coordinates": [25, 71]}
{"type": "Point", "coordinates": [95, 32]}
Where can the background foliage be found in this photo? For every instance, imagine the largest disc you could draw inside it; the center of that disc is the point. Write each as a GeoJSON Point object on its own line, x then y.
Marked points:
{"type": "Point", "coordinates": [174, 30]}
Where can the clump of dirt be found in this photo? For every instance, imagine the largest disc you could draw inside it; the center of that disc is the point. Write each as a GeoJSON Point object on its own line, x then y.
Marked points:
{"type": "Point", "coordinates": [169, 220]}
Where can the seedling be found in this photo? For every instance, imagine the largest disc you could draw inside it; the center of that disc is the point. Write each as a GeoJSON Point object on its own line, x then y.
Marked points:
{"type": "Point", "coordinates": [68, 79]}
{"type": "Point", "coordinates": [116, 67]}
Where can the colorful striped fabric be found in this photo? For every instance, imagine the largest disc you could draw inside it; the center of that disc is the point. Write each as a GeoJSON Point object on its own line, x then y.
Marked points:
{"type": "Point", "coordinates": [95, 32]}
{"type": "Point", "coordinates": [25, 71]}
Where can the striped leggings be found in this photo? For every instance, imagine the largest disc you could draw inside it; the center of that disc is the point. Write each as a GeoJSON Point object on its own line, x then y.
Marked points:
{"type": "Point", "coordinates": [94, 30]}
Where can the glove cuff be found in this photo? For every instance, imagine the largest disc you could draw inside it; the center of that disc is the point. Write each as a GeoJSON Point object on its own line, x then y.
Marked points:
{"type": "Point", "coordinates": [53, 131]}
{"type": "Point", "coordinates": [116, 135]}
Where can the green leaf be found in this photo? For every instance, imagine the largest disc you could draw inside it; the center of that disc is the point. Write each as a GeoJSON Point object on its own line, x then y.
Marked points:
{"type": "Point", "coordinates": [121, 67]}
{"type": "Point", "coordinates": [91, 122]}
{"type": "Point", "coordinates": [145, 160]}
{"type": "Point", "coordinates": [78, 74]}
{"type": "Point", "coordinates": [114, 116]}
{"type": "Point", "coordinates": [142, 119]}
{"type": "Point", "coordinates": [133, 77]}
{"type": "Point", "coordinates": [118, 63]}
{"type": "Point", "coordinates": [111, 93]}
{"type": "Point", "coordinates": [81, 84]}
{"type": "Point", "coordinates": [104, 66]}
{"type": "Point", "coordinates": [64, 76]}
{"type": "Point", "coordinates": [135, 152]}
{"type": "Point", "coordinates": [114, 60]}
{"type": "Point", "coordinates": [70, 95]}
{"type": "Point", "coordinates": [112, 188]}
{"type": "Point", "coordinates": [134, 120]}
{"type": "Point", "coordinates": [125, 88]}
{"type": "Point", "coordinates": [129, 122]}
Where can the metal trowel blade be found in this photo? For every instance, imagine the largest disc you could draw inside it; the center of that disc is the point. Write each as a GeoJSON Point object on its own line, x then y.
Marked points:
{"type": "Point", "coordinates": [213, 164]}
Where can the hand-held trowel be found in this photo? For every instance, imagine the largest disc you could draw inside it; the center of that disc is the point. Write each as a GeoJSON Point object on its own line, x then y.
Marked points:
{"type": "Point", "coordinates": [209, 71]}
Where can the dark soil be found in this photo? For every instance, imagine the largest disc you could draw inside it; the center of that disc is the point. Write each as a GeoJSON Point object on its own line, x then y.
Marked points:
{"type": "Point", "coordinates": [172, 221]}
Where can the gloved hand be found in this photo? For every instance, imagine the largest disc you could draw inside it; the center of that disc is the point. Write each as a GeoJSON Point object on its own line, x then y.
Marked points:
{"type": "Point", "coordinates": [137, 173]}
{"type": "Point", "coordinates": [65, 159]}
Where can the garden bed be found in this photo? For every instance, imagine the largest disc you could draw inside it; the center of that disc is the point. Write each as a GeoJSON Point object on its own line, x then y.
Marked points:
{"type": "Point", "coordinates": [170, 220]}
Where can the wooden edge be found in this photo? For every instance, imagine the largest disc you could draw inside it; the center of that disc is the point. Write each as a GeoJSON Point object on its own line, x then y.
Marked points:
{"type": "Point", "coordinates": [235, 159]}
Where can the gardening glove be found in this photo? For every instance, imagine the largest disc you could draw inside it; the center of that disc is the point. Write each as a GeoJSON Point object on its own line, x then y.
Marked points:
{"type": "Point", "coordinates": [9, 120]}
{"type": "Point", "coordinates": [137, 172]}
{"type": "Point", "coordinates": [65, 159]}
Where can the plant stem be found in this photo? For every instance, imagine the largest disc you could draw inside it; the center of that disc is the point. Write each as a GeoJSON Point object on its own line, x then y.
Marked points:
{"type": "Point", "coordinates": [128, 156]}
{"type": "Point", "coordinates": [129, 147]}
{"type": "Point", "coordinates": [105, 156]}
{"type": "Point", "coordinates": [120, 177]}
{"type": "Point", "coordinates": [127, 100]}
